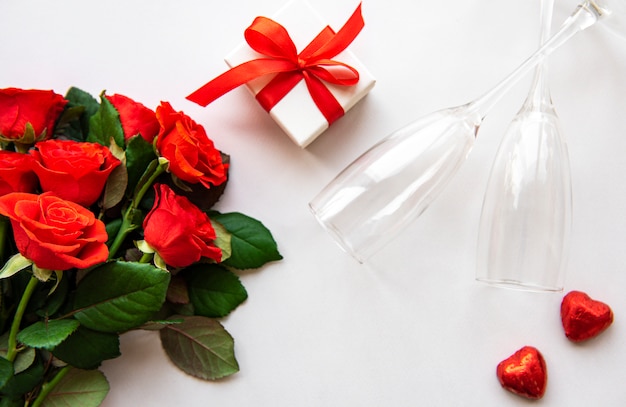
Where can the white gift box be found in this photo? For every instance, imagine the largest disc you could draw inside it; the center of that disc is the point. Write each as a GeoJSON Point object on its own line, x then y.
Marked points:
{"type": "Point", "coordinates": [296, 113]}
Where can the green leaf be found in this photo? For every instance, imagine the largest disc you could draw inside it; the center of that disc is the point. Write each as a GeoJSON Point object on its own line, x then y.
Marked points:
{"type": "Point", "coordinates": [24, 359]}
{"type": "Point", "coordinates": [158, 325]}
{"type": "Point", "coordinates": [182, 309]}
{"type": "Point", "coordinates": [84, 388]}
{"type": "Point", "coordinates": [115, 188]}
{"type": "Point", "coordinates": [139, 155]}
{"type": "Point", "coordinates": [146, 176]}
{"type": "Point", "coordinates": [86, 349]}
{"type": "Point", "coordinates": [222, 239]}
{"type": "Point", "coordinates": [68, 125]}
{"type": "Point", "coordinates": [105, 125]}
{"type": "Point", "coordinates": [79, 99]}
{"type": "Point", "coordinates": [15, 264]}
{"type": "Point", "coordinates": [252, 243]}
{"type": "Point", "coordinates": [6, 371]}
{"type": "Point", "coordinates": [178, 292]}
{"type": "Point", "coordinates": [118, 296]}
{"type": "Point", "coordinates": [214, 291]}
{"type": "Point", "coordinates": [11, 402]}
{"type": "Point", "coordinates": [112, 228]}
{"type": "Point", "coordinates": [200, 347]}
{"type": "Point", "coordinates": [47, 334]}
{"type": "Point", "coordinates": [25, 381]}
{"type": "Point", "coordinates": [56, 299]}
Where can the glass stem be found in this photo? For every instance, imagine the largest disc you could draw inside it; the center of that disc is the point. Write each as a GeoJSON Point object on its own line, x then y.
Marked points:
{"type": "Point", "coordinates": [585, 15]}
{"type": "Point", "coordinates": [539, 98]}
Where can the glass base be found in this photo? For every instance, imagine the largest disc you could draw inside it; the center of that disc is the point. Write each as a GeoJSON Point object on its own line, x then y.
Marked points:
{"type": "Point", "coordinates": [519, 285]}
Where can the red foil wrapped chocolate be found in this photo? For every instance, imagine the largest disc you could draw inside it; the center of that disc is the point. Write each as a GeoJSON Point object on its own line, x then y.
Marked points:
{"type": "Point", "coordinates": [524, 373]}
{"type": "Point", "coordinates": [583, 317]}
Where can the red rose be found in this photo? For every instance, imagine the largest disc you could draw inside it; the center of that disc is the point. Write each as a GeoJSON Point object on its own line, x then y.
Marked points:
{"type": "Point", "coordinates": [53, 233]}
{"type": "Point", "coordinates": [76, 171]}
{"type": "Point", "coordinates": [192, 155]}
{"type": "Point", "coordinates": [16, 173]}
{"type": "Point", "coordinates": [19, 107]}
{"type": "Point", "coordinates": [135, 118]}
{"type": "Point", "coordinates": [179, 232]}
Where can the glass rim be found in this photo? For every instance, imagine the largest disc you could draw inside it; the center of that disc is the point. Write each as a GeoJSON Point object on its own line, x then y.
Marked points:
{"type": "Point", "coordinates": [520, 285]}
{"type": "Point", "coordinates": [337, 237]}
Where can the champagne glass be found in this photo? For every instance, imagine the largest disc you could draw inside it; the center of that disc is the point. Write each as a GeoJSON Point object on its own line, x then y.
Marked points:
{"type": "Point", "coordinates": [393, 182]}
{"type": "Point", "coordinates": [526, 213]}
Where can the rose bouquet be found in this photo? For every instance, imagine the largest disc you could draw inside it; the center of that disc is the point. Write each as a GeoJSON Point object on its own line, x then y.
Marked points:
{"type": "Point", "coordinates": [107, 226]}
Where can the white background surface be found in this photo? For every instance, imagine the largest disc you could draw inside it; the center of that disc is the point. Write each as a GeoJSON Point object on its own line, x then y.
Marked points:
{"type": "Point", "coordinates": [412, 328]}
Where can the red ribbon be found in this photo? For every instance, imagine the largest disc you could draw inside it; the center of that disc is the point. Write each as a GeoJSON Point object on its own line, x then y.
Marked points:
{"type": "Point", "coordinates": [314, 64]}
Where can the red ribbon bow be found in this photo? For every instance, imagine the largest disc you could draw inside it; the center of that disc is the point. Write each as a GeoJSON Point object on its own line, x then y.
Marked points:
{"type": "Point", "coordinates": [314, 64]}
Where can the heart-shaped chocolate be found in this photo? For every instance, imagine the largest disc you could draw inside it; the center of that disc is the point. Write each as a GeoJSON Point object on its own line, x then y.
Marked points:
{"type": "Point", "coordinates": [584, 318]}
{"type": "Point", "coordinates": [524, 373]}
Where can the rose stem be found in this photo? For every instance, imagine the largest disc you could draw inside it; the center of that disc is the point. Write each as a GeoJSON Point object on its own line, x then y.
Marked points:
{"type": "Point", "coordinates": [127, 223]}
{"type": "Point", "coordinates": [47, 387]}
{"type": "Point", "coordinates": [17, 319]}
